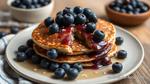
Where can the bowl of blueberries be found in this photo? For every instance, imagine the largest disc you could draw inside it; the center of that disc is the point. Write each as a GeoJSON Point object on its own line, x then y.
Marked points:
{"type": "Point", "coordinates": [30, 10]}
{"type": "Point", "coordinates": [128, 12]}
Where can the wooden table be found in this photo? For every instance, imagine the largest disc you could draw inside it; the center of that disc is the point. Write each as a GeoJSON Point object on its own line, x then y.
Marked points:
{"type": "Point", "coordinates": [142, 32]}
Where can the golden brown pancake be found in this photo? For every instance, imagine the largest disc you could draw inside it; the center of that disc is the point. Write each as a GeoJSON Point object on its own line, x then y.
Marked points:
{"type": "Point", "coordinates": [52, 41]}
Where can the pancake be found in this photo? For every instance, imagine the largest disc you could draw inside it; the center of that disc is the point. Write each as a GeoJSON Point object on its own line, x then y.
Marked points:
{"type": "Point", "coordinates": [46, 41]}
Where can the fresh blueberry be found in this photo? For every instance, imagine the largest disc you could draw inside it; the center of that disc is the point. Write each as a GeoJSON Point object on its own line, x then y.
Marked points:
{"type": "Point", "coordinates": [16, 3]}
{"type": "Point", "coordinates": [65, 66]}
{"type": "Point", "coordinates": [22, 48]}
{"type": "Point", "coordinates": [30, 43]}
{"type": "Point", "coordinates": [60, 13]}
{"type": "Point", "coordinates": [98, 36]}
{"type": "Point", "coordinates": [144, 9]}
{"type": "Point", "coordinates": [123, 11]}
{"type": "Point", "coordinates": [52, 53]}
{"type": "Point", "coordinates": [53, 66]}
{"type": "Point", "coordinates": [90, 27]}
{"type": "Point", "coordinates": [37, 5]}
{"type": "Point", "coordinates": [130, 12]}
{"type": "Point", "coordinates": [53, 28]}
{"type": "Point", "coordinates": [45, 3]}
{"type": "Point", "coordinates": [26, 2]}
{"type": "Point", "coordinates": [29, 52]}
{"type": "Point", "coordinates": [21, 56]}
{"type": "Point", "coordinates": [14, 30]}
{"type": "Point", "coordinates": [87, 12]}
{"type": "Point", "coordinates": [48, 21]}
{"type": "Point", "coordinates": [122, 54]}
{"type": "Point", "coordinates": [22, 6]}
{"type": "Point", "coordinates": [68, 19]}
{"type": "Point", "coordinates": [133, 3]}
{"type": "Point", "coordinates": [78, 10]}
{"type": "Point", "coordinates": [78, 66]}
{"type": "Point", "coordinates": [68, 10]}
{"type": "Point", "coordinates": [129, 7]}
{"type": "Point", "coordinates": [2, 34]}
{"type": "Point", "coordinates": [59, 19]}
{"type": "Point", "coordinates": [34, 2]}
{"type": "Point", "coordinates": [41, 1]}
{"type": "Point", "coordinates": [59, 73]}
{"type": "Point", "coordinates": [44, 63]}
{"type": "Point", "coordinates": [117, 67]}
{"type": "Point", "coordinates": [119, 1]}
{"type": "Point", "coordinates": [119, 40]}
{"type": "Point", "coordinates": [92, 17]}
{"type": "Point", "coordinates": [116, 8]}
{"type": "Point", "coordinates": [72, 73]}
{"type": "Point", "coordinates": [35, 59]}
{"type": "Point", "coordinates": [80, 19]}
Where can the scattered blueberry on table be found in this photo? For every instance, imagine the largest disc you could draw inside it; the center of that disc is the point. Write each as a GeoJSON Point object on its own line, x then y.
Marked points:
{"type": "Point", "coordinates": [129, 6]}
{"type": "Point", "coordinates": [119, 40]}
{"type": "Point", "coordinates": [30, 4]}
{"type": "Point", "coordinates": [121, 54]}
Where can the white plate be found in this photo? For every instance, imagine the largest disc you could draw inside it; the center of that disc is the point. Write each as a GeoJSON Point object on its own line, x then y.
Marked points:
{"type": "Point", "coordinates": [131, 63]}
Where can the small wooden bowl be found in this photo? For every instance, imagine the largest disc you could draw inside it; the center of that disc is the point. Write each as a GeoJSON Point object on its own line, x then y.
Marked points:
{"type": "Point", "coordinates": [127, 19]}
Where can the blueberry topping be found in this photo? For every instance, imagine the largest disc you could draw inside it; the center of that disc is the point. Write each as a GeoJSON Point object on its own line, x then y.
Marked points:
{"type": "Point", "coordinates": [119, 40]}
{"type": "Point", "coordinates": [52, 53]}
{"type": "Point", "coordinates": [78, 66]}
{"type": "Point", "coordinates": [80, 19]}
{"type": "Point", "coordinates": [2, 34]}
{"type": "Point", "coordinates": [98, 36]}
{"type": "Point", "coordinates": [65, 66]}
{"type": "Point", "coordinates": [68, 19]}
{"type": "Point", "coordinates": [117, 67]}
{"type": "Point", "coordinates": [21, 56]}
{"type": "Point", "coordinates": [92, 17]}
{"type": "Point", "coordinates": [35, 59]}
{"type": "Point", "coordinates": [53, 66]}
{"type": "Point", "coordinates": [78, 10]}
{"type": "Point", "coordinates": [30, 43]}
{"type": "Point", "coordinates": [87, 12]}
{"type": "Point", "coordinates": [60, 13]}
{"type": "Point", "coordinates": [122, 54]}
{"type": "Point", "coordinates": [59, 20]}
{"type": "Point", "coordinates": [44, 63]}
{"type": "Point", "coordinates": [53, 28]}
{"type": "Point", "coordinates": [59, 73]}
{"type": "Point", "coordinates": [68, 10]}
{"type": "Point", "coordinates": [90, 27]}
{"type": "Point", "coordinates": [48, 21]}
{"type": "Point", "coordinates": [72, 73]}
{"type": "Point", "coordinates": [14, 30]}
{"type": "Point", "coordinates": [22, 48]}
{"type": "Point", "coordinates": [29, 52]}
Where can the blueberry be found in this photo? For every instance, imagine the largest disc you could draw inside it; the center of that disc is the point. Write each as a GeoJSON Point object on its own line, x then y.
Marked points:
{"type": "Point", "coordinates": [2, 34]}
{"type": "Point", "coordinates": [144, 9]}
{"type": "Point", "coordinates": [122, 54]}
{"type": "Point", "coordinates": [59, 19]}
{"type": "Point", "coordinates": [90, 27]}
{"type": "Point", "coordinates": [129, 7]}
{"type": "Point", "coordinates": [35, 59]}
{"type": "Point", "coordinates": [116, 8]}
{"type": "Point", "coordinates": [14, 30]}
{"type": "Point", "coordinates": [117, 67]}
{"type": "Point", "coordinates": [22, 6]}
{"type": "Point", "coordinates": [123, 11]}
{"type": "Point", "coordinates": [30, 43]}
{"type": "Point", "coordinates": [48, 21]}
{"type": "Point", "coordinates": [133, 3]}
{"type": "Point", "coordinates": [130, 12]}
{"type": "Point", "coordinates": [22, 48]}
{"type": "Point", "coordinates": [41, 1]}
{"type": "Point", "coordinates": [68, 19]}
{"type": "Point", "coordinates": [119, 40]}
{"type": "Point", "coordinates": [68, 10]}
{"type": "Point", "coordinates": [98, 36]}
{"type": "Point", "coordinates": [53, 28]}
{"type": "Point", "coordinates": [29, 52]}
{"type": "Point", "coordinates": [80, 19]}
{"type": "Point", "coordinates": [72, 73]}
{"type": "Point", "coordinates": [53, 66]}
{"type": "Point", "coordinates": [78, 10]}
{"type": "Point", "coordinates": [87, 12]}
{"type": "Point", "coordinates": [59, 73]}
{"type": "Point", "coordinates": [65, 66]}
{"type": "Point", "coordinates": [21, 56]}
{"type": "Point", "coordinates": [119, 1]}
{"type": "Point", "coordinates": [34, 2]}
{"type": "Point", "coordinates": [44, 63]}
{"type": "Point", "coordinates": [16, 3]}
{"type": "Point", "coordinates": [92, 18]}
{"type": "Point", "coordinates": [45, 3]}
{"type": "Point", "coordinates": [52, 53]}
{"type": "Point", "coordinates": [59, 13]}
{"type": "Point", "coordinates": [26, 2]}
{"type": "Point", "coordinates": [78, 66]}
{"type": "Point", "coordinates": [37, 5]}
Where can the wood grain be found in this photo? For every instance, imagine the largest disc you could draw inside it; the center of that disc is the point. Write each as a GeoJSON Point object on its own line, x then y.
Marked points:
{"type": "Point", "coordinates": [142, 32]}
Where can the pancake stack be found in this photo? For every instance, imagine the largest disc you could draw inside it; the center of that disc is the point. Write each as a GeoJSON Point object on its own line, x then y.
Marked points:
{"type": "Point", "coordinates": [76, 51]}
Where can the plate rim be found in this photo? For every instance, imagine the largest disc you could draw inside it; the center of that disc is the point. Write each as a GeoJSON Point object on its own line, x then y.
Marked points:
{"type": "Point", "coordinates": [108, 81]}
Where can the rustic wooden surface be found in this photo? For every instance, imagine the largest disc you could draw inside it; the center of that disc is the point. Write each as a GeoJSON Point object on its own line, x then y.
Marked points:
{"type": "Point", "coordinates": [142, 32]}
